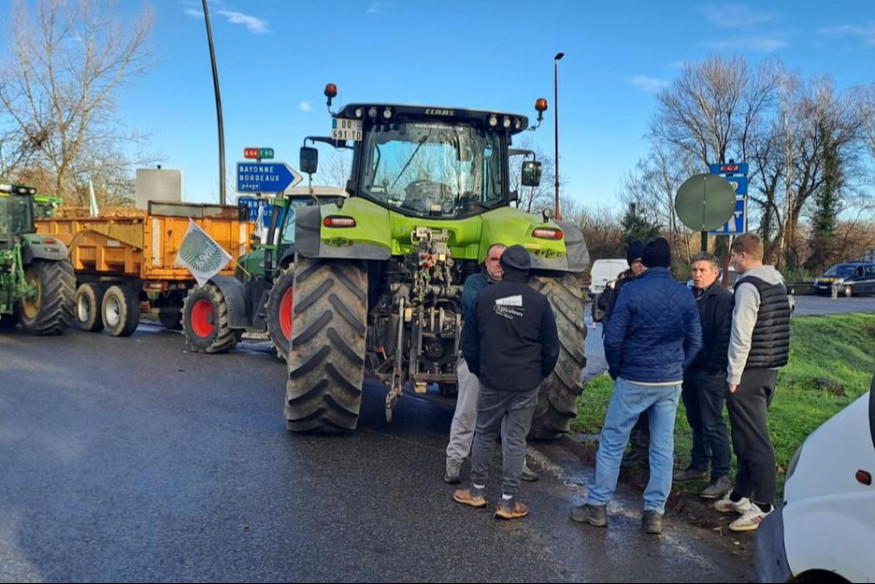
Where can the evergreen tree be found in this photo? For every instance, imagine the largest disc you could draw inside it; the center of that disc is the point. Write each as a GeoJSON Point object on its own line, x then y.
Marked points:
{"type": "Point", "coordinates": [826, 207]}
{"type": "Point", "coordinates": [637, 226]}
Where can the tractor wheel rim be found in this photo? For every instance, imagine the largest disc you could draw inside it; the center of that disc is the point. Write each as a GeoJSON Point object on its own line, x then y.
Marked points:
{"type": "Point", "coordinates": [203, 318]}
{"type": "Point", "coordinates": [31, 304]}
{"type": "Point", "coordinates": [112, 315]}
{"type": "Point", "coordinates": [286, 313]}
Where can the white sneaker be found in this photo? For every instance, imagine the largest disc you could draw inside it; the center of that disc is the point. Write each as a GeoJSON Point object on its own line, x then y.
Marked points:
{"type": "Point", "coordinates": [727, 505]}
{"type": "Point", "coordinates": [751, 519]}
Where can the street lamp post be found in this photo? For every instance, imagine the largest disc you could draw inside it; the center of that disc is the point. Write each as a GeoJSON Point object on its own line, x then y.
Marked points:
{"type": "Point", "coordinates": [218, 106]}
{"type": "Point", "coordinates": [556, 121]}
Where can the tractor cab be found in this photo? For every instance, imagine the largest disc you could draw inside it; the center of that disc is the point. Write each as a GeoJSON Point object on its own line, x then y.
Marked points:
{"type": "Point", "coordinates": [430, 162]}
{"type": "Point", "coordinates": [16, 211]}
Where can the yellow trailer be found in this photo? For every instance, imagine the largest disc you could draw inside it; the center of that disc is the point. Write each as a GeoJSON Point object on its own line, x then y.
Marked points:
{"type": "Point", "coordinates": [124, 260]}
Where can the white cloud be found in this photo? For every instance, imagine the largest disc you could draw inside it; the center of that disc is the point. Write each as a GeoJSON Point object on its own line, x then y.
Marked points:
{"type": "Point", "coordinates": [735, 16]}
{"type": "Point", "coordinates": [305, 107]}
{"type": "Point", "coordinates": [254, 24]}
{"type": "Point", "coordinates": [760, 43]}
{"type": "Point", "coordinates": [648, 84]}
{"type": "Point", "coordinates": [866, 33]}
{"type": "Point", "coordinates": [194, 13]}
{"type": "Point", "coordinates": [378, 7]}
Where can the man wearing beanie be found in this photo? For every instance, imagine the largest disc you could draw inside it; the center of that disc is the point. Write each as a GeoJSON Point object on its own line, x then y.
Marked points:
{"type": "Point", "coordinates": [511, 344]}
{"type": "Point", "coordinates": [646, 355]}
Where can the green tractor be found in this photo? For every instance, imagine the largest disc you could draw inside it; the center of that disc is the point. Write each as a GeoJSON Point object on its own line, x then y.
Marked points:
{"type": "Point", "coordinates": [37, 284]}
{"type": "Point", "coordinates": [378, 276]}
{"type": "Point", "coordinates": [259, 297]}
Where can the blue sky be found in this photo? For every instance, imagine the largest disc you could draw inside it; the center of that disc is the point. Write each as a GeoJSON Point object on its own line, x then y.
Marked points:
{"type": "Point", "coordinates": [275, 56]}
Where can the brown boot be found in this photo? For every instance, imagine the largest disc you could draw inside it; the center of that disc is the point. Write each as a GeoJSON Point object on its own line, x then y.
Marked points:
{"type": "Point", "coordinates": [511, 509]}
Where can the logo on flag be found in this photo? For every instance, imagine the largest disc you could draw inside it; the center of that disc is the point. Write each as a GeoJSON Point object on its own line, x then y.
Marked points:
{"type": "Point", "coordinates": [200, 253]}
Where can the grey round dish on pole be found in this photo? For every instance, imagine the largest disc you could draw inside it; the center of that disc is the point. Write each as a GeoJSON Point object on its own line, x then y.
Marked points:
{"type": "Point", "coordinates": [705, 202]}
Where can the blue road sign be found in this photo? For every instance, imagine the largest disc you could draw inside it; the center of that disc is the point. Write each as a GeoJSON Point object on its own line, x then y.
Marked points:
{"type": "Point", "coordinates": [265, 177]}
{"type": "Point", "coordinates": [735, 225]}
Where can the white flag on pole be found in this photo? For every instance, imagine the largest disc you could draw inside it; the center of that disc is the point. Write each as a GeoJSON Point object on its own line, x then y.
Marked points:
{"type": "Point", "coordinates": [200, 253]}
{"type": "Point", "coordinates": [92, 200]}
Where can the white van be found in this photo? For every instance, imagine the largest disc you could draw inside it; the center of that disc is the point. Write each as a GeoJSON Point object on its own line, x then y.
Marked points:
{"type": "Point", "coordinates": [825, 531]}
{"type": "Point", "coordinates": [603, 271]}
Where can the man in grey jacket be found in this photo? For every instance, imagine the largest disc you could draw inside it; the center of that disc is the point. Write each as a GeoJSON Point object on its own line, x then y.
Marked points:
{"type": "Point", "coordinates": [759, 344]}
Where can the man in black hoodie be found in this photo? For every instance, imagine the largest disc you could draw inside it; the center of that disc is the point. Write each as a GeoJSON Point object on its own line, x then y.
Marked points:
{"type": "Point", "coordinates": [511, 343]}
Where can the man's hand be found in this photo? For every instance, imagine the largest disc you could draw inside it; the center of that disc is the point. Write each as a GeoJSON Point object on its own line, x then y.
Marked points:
{"type": "Point", "coordinates": [733, 387]}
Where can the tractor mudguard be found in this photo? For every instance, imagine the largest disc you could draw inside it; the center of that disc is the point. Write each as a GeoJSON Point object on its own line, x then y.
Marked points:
{"type": "Point", "coordinates": [42, 247]}
{"type": "Point", "coordinates": [235, 297]}
{"type": "Point", "coordinates": [576, 251]}
{"type": "Point", "coordinates": [309, 241]}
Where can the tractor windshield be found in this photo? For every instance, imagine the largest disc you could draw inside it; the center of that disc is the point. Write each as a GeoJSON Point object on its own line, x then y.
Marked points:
{"type": "Point", "coordinates": [15, 215]}
{"type": "Point", "coordinates": [433, 169]}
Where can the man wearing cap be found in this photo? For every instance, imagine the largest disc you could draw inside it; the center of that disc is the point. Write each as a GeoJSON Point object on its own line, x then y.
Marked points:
{"type": "Point", "coordinates": [640, 436]}
{"type": "Point", "coordinates": [511, 343]}
{"type": "Point", "coordinates": [465, 416]}
{"type": "Point", "coordinates": [654, 334]}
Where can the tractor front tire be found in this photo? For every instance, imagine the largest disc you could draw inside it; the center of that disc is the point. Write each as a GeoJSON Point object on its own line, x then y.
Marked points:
{"type": "Point", "coordinates": [89, 300]}
{"type": "Point", "coordinates": [279, 311]}
{"type": "Point", "coordinates": [49, 310]}
{"type": "Point", "coordinates": [557, 402]}
{"type": "Point", "coordinates": [205, 321]}
{"type": "Point", "coordinates": [327, 356]}
{"type": "Point", "coordinates": [120, 310]}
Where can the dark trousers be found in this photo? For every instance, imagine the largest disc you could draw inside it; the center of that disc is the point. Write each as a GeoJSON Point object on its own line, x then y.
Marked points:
{"type": "Point", "coordinates": [749, 418]}
{"type": "Point", "coordinates": [704, 396]}
{"type": "Point", "coordinates": [515, 409]}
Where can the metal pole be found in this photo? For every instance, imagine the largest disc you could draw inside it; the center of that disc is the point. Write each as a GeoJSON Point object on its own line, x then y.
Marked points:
{"type": "Point", "coordinates": [556, 124]}
{"type": "Point", "coordinates": [218, 106]}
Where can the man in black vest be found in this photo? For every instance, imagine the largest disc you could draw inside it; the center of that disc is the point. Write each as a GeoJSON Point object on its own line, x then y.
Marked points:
{"type": "Point", "coordinates": [511, 343]}
{"type": "Point", "coordinates": [758, 346]}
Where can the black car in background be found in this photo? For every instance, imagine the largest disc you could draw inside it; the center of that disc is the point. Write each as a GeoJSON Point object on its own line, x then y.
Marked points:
{"type": "Point", "coordinates": [837, 274]}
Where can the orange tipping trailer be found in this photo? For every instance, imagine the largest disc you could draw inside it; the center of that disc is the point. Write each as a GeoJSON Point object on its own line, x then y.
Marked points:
{"type": "Point", "coordinates": [124, 259]}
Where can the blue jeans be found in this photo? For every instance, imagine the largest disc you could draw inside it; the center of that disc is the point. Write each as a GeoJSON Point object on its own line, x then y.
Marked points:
{"type": "Point", "coordinates": [628, 401]}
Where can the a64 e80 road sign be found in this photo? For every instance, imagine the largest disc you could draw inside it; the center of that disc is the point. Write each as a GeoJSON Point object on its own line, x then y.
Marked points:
{"type": "Point", "coordinates": [265, 177]}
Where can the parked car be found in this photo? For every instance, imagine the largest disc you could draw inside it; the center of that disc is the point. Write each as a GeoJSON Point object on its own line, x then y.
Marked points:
{"type": "Point", "coordinates": [836, 274]}
{"type": "Point", "coordinates": [825, 530]}
{"type": "Point", "coordinates": [603, 271]}
{"type": "Point", "coordinates": [861, 281]}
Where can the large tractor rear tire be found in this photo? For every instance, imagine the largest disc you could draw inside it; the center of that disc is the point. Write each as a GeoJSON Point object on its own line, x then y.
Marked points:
{"type": "Point", "coordinates": [279, 312]}
{"type": "Point", "coordinates": [49, 310]}
{"type": "Point", "coordinates": [205, 321]}
{"type": "Point", "coordinates": [89, 300]}
{"type": "Point", "coordinates": [557, 403]}
{"type": "Point", "coordinates": [327, 356]}
{"type": "Point", "coordinates": [120, 310]}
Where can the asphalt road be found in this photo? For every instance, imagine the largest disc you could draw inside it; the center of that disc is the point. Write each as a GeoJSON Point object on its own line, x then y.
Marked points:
{"type": "Point", "coordinates": [134, 460]}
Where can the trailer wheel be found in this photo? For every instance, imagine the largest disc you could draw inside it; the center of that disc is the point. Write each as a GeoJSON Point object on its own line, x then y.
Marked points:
{"type": "Point", "coordinates": [557, 402]}
{"type": "Point", "coordinates": [279, 311]}
{"type": "Point", "coordinates": [327, 355]}
{"type": "Point", "coordinates": [49, 310]}
{"type": "Point", "coordinates": [205, 321]}
{"type": "Point", "coordinates": [89, 300]}
{"type": "Point", "coordinates": [120, 310]}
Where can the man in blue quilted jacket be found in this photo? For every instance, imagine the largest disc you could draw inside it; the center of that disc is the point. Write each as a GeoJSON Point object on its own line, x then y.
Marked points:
{"type": "Point", "coordinates": [653, 335]}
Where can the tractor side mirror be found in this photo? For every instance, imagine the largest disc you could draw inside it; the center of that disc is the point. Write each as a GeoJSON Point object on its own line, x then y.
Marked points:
{"type": "Point", "coordinates": [531, 172]}
{"type": "Point", "coordinates": [309, 159]}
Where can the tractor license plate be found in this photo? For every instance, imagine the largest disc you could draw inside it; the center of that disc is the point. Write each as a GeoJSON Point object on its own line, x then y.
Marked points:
{"type": "Point", "coordinates": [346, 129]}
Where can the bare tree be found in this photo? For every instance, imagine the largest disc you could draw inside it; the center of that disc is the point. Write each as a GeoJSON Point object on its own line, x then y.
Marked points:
{"type": "Point", "coordinates": [66, 62]}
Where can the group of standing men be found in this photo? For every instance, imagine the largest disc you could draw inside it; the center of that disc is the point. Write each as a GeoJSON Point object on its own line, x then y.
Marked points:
{"type": "Point", "coordinates": [711, 348]}
{"type": "Point", "coordinates": [662, 343]}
